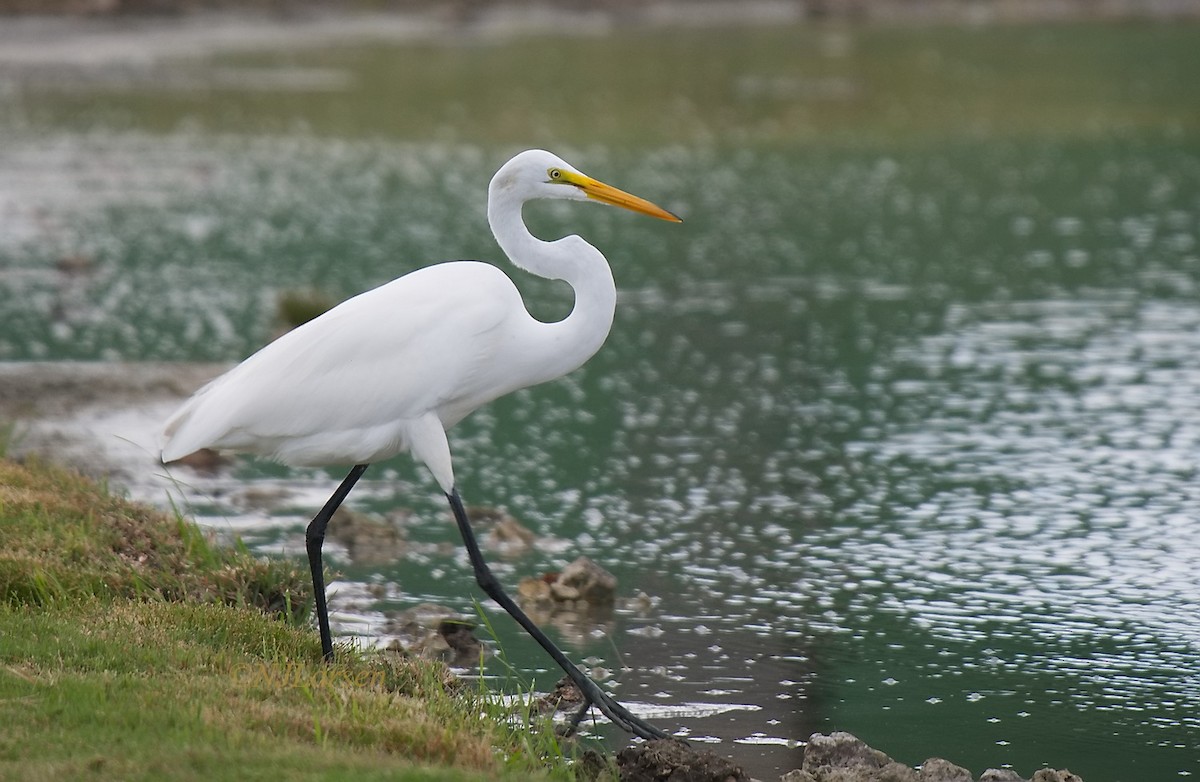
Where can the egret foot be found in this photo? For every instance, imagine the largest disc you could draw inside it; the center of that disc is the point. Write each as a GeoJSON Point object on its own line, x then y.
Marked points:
{"type": "Point", "coordinates": [616, 713]}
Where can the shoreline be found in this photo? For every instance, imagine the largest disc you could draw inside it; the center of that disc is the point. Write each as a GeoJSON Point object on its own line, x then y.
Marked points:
{"type": "Point", "coordinates": [95, 33]}
{"type": "Point", "coordinates": [101, 419]}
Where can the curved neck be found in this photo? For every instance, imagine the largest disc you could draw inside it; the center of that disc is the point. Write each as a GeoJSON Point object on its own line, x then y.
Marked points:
{"type": "Point", "coordinates": [565, 345]}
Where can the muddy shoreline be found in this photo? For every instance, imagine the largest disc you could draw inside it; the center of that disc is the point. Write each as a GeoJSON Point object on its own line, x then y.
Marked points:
{"type": "Point", "coordinates": [99, 418]}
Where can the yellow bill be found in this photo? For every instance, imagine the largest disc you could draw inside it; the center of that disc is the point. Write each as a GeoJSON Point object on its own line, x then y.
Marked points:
{"type": "Point", "coordinates": [610, 195]}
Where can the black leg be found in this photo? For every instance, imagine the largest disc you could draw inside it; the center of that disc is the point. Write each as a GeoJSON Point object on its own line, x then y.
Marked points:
{"type": "Point", "coordinates": [313, 540]}
{"type": "Point", "coordinates": [576, 719]}
{"type": "Point", "coordinates": [592, 693]}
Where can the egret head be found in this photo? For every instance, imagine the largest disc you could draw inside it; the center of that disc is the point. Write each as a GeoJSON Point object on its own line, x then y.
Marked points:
{"type": "Point", "coordinates": [536, 173]}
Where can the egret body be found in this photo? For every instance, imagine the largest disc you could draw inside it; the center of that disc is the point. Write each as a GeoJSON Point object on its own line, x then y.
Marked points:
{"type": "Point", "coordinates": [390, 370]}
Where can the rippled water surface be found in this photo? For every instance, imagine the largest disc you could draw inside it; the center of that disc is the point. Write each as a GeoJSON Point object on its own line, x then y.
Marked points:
{"type": "Point", "coordinates": [899, 437]}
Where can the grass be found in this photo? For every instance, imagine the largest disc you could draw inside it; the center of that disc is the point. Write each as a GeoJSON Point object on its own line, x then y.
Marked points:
{"type": "Point", "coordinates": [131, 648]}
{"type": "Point", "coordinates": [66, 537]}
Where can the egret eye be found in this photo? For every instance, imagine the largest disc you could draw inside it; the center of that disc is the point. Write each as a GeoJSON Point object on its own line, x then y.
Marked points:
{"type": "Point", "coordinates": [555, 175]}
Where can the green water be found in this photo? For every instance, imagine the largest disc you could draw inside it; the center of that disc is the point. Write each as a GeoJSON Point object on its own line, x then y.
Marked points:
{"type": "Point", "coordinates": [899, 428]}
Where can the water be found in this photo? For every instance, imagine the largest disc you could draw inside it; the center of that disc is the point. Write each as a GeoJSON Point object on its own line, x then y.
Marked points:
{"type": "Point", "coordinates": [897, 430]}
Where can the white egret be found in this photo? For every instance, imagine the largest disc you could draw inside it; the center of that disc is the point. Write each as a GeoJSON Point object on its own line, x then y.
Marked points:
{"type": "Point", "coordinates": [390, 370]}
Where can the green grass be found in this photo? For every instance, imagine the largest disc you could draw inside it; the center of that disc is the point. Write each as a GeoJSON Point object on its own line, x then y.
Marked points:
{"type": "Point", "coordinates": [131, 648]}
{"type": "Point", "coordinates": [65, 538]}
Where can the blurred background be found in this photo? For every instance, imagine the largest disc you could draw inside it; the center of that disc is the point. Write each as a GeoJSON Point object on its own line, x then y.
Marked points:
{"type": "Point", "coordinates": [896, 434]}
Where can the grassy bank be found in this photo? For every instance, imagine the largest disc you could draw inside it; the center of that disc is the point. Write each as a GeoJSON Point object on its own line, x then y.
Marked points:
{"type": "Point", "coordinates": [131, 648]}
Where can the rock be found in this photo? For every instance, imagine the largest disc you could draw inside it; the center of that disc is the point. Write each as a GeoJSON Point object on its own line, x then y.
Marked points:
{"type": "Point", "coordinates": [536, 590]}
{"type": "Point", "coordinates": [641, 603]}
{"type": "Point", "coordinates": [368, 539]}
{"type": "Point", "coordinates": [584, 580]}
{"type": "Point", "coordinates": [578, 601]}
{"type": "Point", "coordinates": [840, 750]}
{"type": "Point", "coordinates": [459, 637]}
{"type": "Point", "coordinates": [842, 757]}
{"type": "Point", "coordinates": [582, 585]}
{"type": "Point", "coordinates": [897, 772]}
{"type": "Point", "coordinates": [797, 775]}
{"type": "Point", "coordinates": [593, 766]}
{"type": "Point", "coordinates": [565, 696]}
{"type": "Point", "coordinates": [1050, 775]}
{"type": "Point", "coordinates": [939, 770]}
{"type": "Point", "coordinates": [506, 535]}
{"type": "Point", "coordinates": [665, 760]}
{"type": "Point", "coordinates": [436, 633]}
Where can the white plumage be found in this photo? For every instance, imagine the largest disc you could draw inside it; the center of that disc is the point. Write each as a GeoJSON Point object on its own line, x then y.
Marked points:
{"type": "Point", "coordinates": [330, 392]}
{"type": "Point", "coordinates": [379, 373]}
{"type": "Point", "coordinates": [390, 370]}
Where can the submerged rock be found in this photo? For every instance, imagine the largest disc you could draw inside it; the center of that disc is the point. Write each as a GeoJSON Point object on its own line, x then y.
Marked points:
{"type": "Point", "coordinates": [368, 539]}
{"type": "Point", "coordinates": [580, 585]}
{"type": "Point", "coordinates": [578, 601]}
{"type": "Point", "coordinates": [843, 757]}
{"type": "Point", "coordinates": [435, 632]}
{"type": "Point", "coordinates": [585, 581]}
{"type": "Point", "coordinates": [506, 535]}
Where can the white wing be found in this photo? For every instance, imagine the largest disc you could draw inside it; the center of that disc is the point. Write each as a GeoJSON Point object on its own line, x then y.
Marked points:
{"type": "Point", "coordinates": [349, 386]}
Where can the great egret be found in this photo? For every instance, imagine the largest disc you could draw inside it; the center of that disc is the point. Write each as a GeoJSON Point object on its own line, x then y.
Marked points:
{"type": "Point", "coordinates": [390, 370]}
